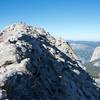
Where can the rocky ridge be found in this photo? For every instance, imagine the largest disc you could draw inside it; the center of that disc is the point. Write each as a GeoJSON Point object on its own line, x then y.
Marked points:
{"type": "Point", "coordinates": [36, 66]}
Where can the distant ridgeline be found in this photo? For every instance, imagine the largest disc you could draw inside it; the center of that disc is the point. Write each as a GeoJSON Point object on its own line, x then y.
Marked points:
{"type": "Point", "coordinates": [84, 49]}
{"type": "Point", "coordinates": [89, 54]}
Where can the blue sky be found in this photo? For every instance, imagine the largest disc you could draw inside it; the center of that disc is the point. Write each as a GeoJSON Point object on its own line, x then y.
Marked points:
{"type": "Point", "coordinates": [70, 19]}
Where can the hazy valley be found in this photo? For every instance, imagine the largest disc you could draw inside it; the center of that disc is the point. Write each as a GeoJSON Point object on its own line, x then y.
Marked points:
{"type": "Point", "coordinates": [89, 55]}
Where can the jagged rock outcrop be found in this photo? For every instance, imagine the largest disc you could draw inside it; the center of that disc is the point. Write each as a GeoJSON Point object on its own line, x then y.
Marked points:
{"type": "Point", "coordinates": [36, 66]}
{"type": "Point", "coordinates": [95, 59]}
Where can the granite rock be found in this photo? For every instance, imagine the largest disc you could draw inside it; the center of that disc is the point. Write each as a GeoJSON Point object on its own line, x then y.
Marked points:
{"type": "Point", "coordinates": [36, 66]}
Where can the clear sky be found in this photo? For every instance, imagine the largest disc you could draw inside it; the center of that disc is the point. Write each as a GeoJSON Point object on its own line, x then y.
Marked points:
{"type": "Point", "coordinates": [70, 19]}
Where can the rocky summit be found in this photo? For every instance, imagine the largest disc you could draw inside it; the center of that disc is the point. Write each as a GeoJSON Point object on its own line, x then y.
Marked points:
{"type": "Point", "coordinates": [36, 66]}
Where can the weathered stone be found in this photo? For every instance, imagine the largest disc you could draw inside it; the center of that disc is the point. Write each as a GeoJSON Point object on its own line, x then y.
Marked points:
{"type": "Point", "coordinates": [36, 66]}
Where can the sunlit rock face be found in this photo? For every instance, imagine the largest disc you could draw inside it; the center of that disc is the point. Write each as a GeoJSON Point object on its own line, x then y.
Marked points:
{"type": "Point", "coordinates": [96, 54]}
{"type": "Point", "coordinates": [95, 59]}
{"type": "Point", "coordinates": [36, 66]}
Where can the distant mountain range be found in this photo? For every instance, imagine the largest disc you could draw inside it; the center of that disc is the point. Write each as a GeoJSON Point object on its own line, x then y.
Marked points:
{"type": "Point", "coordinates": [84, 49]}
{"type": "Point", "coordinates": [87, 50]}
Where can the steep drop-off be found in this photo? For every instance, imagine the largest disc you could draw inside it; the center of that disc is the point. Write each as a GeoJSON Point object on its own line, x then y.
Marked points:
{"type": "Point", "coordinates": [95, 59]}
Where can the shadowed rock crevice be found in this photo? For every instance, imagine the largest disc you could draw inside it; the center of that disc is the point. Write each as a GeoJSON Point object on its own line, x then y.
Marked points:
{"type": "Point", "coordinates": [43, 68]}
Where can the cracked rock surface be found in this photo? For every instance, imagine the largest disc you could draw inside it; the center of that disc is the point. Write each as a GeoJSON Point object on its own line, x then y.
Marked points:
{"type": "Point", "coordinates": [36, 66]}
